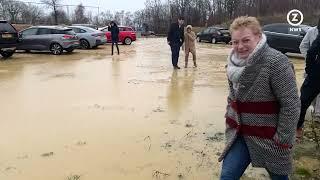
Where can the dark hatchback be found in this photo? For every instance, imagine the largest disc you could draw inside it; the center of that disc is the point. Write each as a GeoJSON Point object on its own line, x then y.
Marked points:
{"type": "Point", "coordinates": [8, 39]}
{"type": "Point", "coordinates": [284, 37]}
{"type": "Point", "coordinates": [214, 35]}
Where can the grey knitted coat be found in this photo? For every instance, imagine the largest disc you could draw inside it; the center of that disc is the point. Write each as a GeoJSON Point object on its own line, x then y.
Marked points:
{"type": "Point", "coordinates": [265, 111]}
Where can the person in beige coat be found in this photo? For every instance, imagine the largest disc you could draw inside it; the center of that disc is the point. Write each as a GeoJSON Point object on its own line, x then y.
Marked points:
{"type": "Point", "coordinates": [190, 46]}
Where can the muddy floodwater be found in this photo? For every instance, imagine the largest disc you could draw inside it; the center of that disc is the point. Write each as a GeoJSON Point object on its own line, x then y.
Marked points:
{"type": "Point", "coordinates": [91, 116]}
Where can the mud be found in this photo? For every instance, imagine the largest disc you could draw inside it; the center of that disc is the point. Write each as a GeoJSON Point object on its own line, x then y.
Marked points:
{"type": "Point", "coordinates": [88, 115]}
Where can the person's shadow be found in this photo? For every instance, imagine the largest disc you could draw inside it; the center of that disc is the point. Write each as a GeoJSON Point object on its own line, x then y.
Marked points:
{"type": "Point", "coordinates": [180, 92]}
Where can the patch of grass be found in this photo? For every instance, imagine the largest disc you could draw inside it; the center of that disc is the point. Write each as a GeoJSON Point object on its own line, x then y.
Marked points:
{"type": "Point", "coordinates": [303, 172]}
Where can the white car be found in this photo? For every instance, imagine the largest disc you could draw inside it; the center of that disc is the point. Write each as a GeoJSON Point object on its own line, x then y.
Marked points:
{"type": "Point", "coordinates": [89, 37]}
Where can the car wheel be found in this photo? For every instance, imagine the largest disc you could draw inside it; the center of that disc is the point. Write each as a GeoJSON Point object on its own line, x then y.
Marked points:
{"type": "Point", "coordinates": [84, 44]}
{"type": "Point", "coordinates": [56, 49]}
{"type": "Point", "coordinates": [198, 39]}
{"type": "Point", "coordinates": [127, 41]}
{"type": "Point", "coordinates": [70, 50]}
{"type": "Point", "coordinates": [213, 41]}
{"type": "Point", "coordinates": [227, 42]}
{"type": "Point", "coordinates": [6, 54]}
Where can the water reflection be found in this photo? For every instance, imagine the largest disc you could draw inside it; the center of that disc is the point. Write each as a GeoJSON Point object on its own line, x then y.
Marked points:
{"type": "Point", "coordinates": [180, 91]}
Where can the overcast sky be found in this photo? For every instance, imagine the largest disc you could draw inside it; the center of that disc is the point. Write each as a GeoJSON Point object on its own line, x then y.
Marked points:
{"type": "Point", "coordinates": [112, 5]}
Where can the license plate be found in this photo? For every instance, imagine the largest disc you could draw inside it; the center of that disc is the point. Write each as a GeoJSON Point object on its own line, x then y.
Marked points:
{"type": "Point", "coordinates": [6, 35]}
{"type": "Point", "coordinates": [227, 35]}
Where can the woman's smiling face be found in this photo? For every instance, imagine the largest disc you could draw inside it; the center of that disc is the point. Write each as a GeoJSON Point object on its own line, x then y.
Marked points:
{"type": "Point", "coordinates": [244, 41]}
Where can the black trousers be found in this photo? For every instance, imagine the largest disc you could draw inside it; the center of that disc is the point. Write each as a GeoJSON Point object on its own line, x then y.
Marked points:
{"type": "Point", "coordinates": [115, 42]}
{"type": "Point", "coordinates": [309, 91]}
{"type": "Point", "coordinates": [175, 50]}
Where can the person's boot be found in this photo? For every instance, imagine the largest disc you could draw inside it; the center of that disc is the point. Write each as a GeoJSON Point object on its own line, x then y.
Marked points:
{"type": "Point", "coordinates": [195, 65]}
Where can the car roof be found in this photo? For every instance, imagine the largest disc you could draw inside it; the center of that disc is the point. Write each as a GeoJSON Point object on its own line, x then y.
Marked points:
{"type": "Point", "coordinates": [216, 27]}
{"type": "Point", "coordinates": [52, 27]}
{"type": "Point", "coordinates": [82, 27]}
{"type": "Point", "coordinates": [275, 24]}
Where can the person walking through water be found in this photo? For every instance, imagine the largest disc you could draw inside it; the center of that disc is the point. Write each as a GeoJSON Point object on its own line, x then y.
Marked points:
{"type": "Point", "coordinates": [190, 46]}
{"type": "Point", "coordinates": [175, 40]}
{"type": "Point", "coordinates": [263, 105]}
{"type": "Point", "coordinates": [114, 29]}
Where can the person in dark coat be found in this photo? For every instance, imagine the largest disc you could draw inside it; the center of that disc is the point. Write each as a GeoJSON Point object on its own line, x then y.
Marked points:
{"type": "Point", "coordinates": [114, 29]}
{"type": "Point", "coordinates": [311, 86]}
{"type": "Point", "coordinates": [175, 40]}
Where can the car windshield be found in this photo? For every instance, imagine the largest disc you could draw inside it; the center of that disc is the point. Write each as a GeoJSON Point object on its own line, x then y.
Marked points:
{"type": "Point", "coordinates": [224, 30]}
{"type": "Point", "coordinates": [5, 27]}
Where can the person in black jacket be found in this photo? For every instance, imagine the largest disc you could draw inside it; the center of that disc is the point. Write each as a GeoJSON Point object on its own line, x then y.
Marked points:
{"type": "Point", "coordinates": [175, 40]}
{"type": "Point", "coordinates": [311, 85]}
{"type": "Point", "coordinates": [114, 29]}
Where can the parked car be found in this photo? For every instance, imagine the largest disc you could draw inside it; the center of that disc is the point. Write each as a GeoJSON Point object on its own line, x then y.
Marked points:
{"type": "Point", "coordinates": [87, 25]}
{"type": "Point", "coordinates": [148, 33]}
{"type": "Point", "coordinates": [8, 39]}
{"type": "Point", "coordinates": [48, 38]}
{"type": "Point", "coordinates": [89, 38]}
{"type": "Point", "coordinates": [126, 35]}
{"type": "Point", "coordinates": [284, 37]}
{"type": "Point", "coordinates": [214, 35]}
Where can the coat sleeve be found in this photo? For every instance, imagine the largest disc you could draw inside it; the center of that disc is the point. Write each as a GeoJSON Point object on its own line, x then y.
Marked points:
{"type": "Point", "coordinates": [192, 36]}
{"type": "Point", "coordinates": [284, 87]}
{"type": "Point", "coordinates": [305, 44]}
{"type": "Point", "coordinates": [182, 35]}
{"type": "Point", "coordinates": [169, 37]}
{"type": "Point", "coordinates": [312, 54]}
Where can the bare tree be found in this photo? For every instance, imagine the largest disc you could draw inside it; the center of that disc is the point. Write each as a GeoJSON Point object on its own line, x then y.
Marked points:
{"type": "Point", "coordinates": [54, 4]}
{"type": "Point", "coordinates": [79, 15]}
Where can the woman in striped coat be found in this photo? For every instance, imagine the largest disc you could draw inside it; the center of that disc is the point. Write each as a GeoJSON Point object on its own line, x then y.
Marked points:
{"type": "Point", "coordinates": [263, 105]}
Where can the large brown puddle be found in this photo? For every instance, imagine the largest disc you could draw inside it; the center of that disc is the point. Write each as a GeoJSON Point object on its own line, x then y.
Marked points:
{"type": "Point", "coordinates": [127, 117]}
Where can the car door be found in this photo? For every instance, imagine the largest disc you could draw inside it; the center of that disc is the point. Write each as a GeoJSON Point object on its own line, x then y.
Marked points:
{"type": "Point", "coordinates": [295, 37]}
{"type": "Point", "coordinates": [27, 38]}
{"type": "Point", "coordinates": [277, 36]}
{"type": "Point", "coordinates": [212, 33]}
{"type": "Point", "coordinates": [108, 34]}
{"type": "Point", "coordinates": [205, 35]}
{"type": "Point", "coordinates": [43, 39]}
{"type": "Point", "coordinates": [121, 34]}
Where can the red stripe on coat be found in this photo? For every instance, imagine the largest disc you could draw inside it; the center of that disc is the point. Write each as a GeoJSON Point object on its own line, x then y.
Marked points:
{"type": "Point", "coordinates": [268, 107]}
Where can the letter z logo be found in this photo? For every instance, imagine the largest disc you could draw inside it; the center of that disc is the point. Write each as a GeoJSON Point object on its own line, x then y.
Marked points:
{"type": "Point", "coordinates": [295, 17]}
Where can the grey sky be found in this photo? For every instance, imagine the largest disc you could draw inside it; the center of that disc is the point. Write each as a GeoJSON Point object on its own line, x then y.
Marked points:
{"type": "Point", "coordinates": [112, 5]}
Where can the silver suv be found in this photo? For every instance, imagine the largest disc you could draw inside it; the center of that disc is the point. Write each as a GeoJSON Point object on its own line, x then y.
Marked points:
{"type": "Point", "coordinates": [48, 38]}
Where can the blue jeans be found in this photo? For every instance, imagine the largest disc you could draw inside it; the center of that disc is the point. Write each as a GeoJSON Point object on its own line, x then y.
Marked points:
{"type": "Point", "coordinates": [175, 49]}
{"type": "Point", "coordinates": [237, 161]}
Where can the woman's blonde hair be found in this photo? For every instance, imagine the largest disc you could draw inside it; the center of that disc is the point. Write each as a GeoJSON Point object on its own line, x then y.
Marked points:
{"type": "Point", "coordinates": [246, 22]}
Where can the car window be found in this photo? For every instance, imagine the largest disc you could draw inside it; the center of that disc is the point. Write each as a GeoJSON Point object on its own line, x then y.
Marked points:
{"type": "Point", "coordinates": [42, 31]}
{"type": "Point", "coordinates": [277, 28]}
{"type": "Point", "coordinates": [224, 31]}
{"type": "Point", "coordinates": [128, 29]}
{"type": "Point", "coordinates": [121, 29]}
{"type": "Point", "coordinates": [206, 31]}
{"type": "Point", "coordinates": [105, 30]}
{"type": "Point", "coordinates": [6, 27]}
{"type": "Point", "coordinates": [28, 32]}
{"type": "Point", "coordinates": [76, 30]}
{"type": "Point", "coordinates": [212, 31]}
{"type": "Point", "coordinates": [68, 31]}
